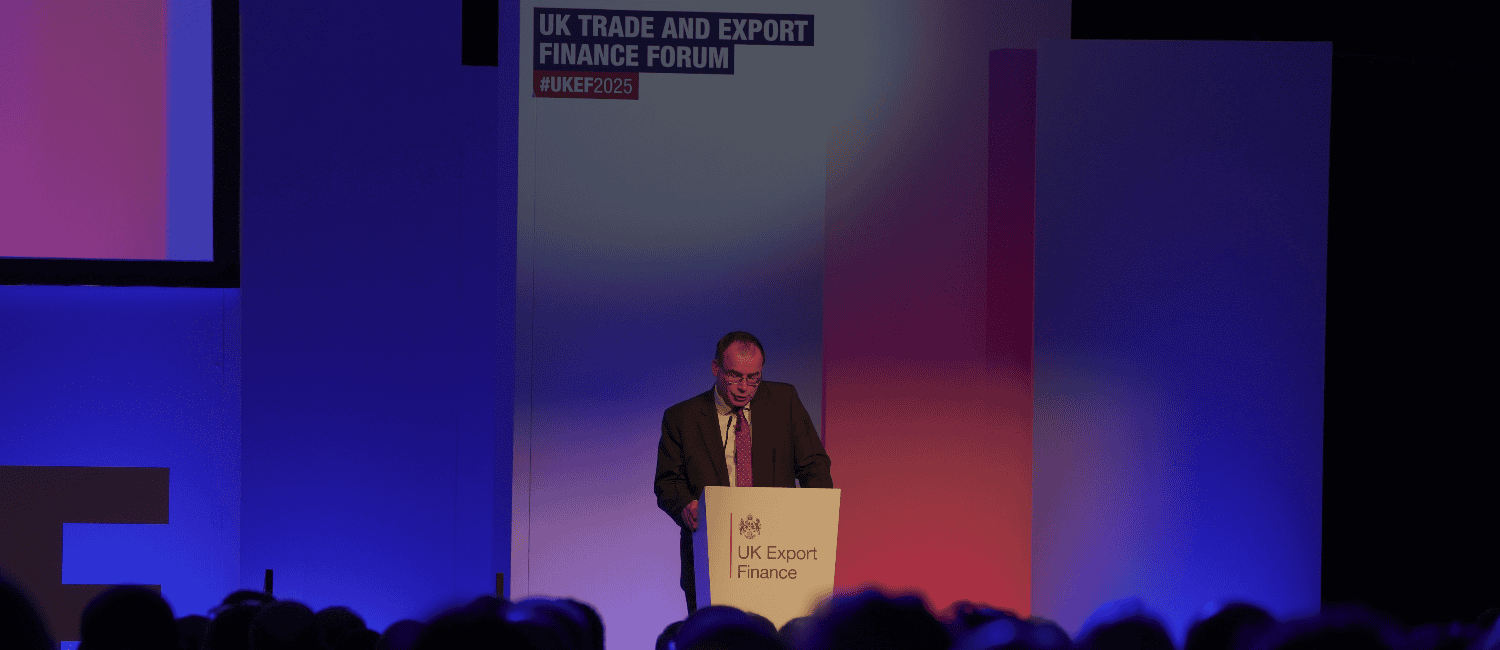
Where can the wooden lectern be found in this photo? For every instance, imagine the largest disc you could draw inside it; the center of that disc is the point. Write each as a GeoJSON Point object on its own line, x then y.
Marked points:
{"type": "Point", "coordinates": [766, 550]}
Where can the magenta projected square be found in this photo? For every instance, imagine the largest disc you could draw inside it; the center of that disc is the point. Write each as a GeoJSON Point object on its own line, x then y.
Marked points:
{"type": "Point", "coordinates": [83, 119]}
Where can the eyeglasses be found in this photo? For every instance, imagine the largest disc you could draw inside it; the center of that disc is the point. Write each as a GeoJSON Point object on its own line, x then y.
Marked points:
{"type": "Point", "coordinates": [732, 377]}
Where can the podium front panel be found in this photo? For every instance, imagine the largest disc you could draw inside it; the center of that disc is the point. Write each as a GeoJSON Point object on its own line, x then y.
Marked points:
{"type": "Point", "coordinates": [770, 551]}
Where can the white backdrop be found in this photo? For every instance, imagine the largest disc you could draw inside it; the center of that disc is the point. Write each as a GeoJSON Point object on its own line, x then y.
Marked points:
{"type": "Point", "coordinates": [647, 229]}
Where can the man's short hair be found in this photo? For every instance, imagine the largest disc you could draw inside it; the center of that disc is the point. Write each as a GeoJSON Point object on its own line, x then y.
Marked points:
{"type": "Point", "coordinates": [736, 337]}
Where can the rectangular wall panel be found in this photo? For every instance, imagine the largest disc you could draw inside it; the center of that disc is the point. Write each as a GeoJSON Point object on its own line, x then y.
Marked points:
{"type": "Point", "coordinates": [128, 377]}
{"type": "Point", "coordinates": [372, 263]}
{"type": "Point", "coordinates": [1182, 197]}
{"type": "Point", "coordinates": [835, 201]}
{"type": "Point", "coordinates": [649, 228]}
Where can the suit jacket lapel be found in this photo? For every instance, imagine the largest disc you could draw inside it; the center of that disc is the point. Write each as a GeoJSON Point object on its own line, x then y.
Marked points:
{"type": "Point", "coordinates": [760, 445]}
{"type": "Point", "coordinates": [708, 427]}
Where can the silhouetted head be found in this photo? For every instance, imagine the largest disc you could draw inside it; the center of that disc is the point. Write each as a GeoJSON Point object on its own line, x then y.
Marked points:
{"type": "Point", "coordinates": [795, 632]}
{"type": "Point", "coordinates": [668, 634]}
{"type": "Point", "coordinates": [357, 640]}
{"type": "Point", "coordinates": [593, 623]}
{"type": "Point", "coordinates": [1009, 633]}
{"type": "Point", "coordinates": [1230, 627]}
{"type": "Point", "coordinates": [1136, 632]}
{"type": "Point", "coordinates": [476, 625]}
{"type": "Point", "coordinates": [968, 613]}
{"type": "Point", "coordinates": [965, 618]}
{"type": "Point", "coordinates": [552, 623]}
{"type": "Point", "coordinates": [1343, 626]}
{"type": "Point", "coordinates": [1312, 637]}
{"type": "Point", "coordinates": [401, 635]}
{"type": "Point", "coordinates": [284, 625]}
{"type": "Point", "coordinates": [719, 627]}
{"type": "Point", "coordinates": [243, 597]}
{"type": "Point", "coordinates": [128, 617]}
{"type": "Point", "coordinates": [1046, 634]}
{"type": "Point", "coordinates": [191, 630]}
{"type": "Point", "coordinates": [1118, 621]}
{"type": "Point", "coordinates": [230, 628]}
{"type": "Point", "coordinates": [870, 620]}
{"type": "Point", "coordinates": [335, 622]}
{"type": "Point", "coordinates": [1454, 635]}
{"type": "Point", "coordinates": [21, 624]}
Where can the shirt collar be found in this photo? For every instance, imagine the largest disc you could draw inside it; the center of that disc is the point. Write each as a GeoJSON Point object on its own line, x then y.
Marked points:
{"type": "Point", "coordinates": [719, 405]}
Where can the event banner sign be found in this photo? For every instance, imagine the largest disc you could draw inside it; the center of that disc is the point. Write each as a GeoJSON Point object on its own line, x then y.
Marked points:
{"type": "Point", "coordinates": [766, 550]}
{"type": "Point", "coordinates": [599, 53]}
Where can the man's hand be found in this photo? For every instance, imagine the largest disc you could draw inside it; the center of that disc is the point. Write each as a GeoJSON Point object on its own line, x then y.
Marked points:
{"type": "Point", "coordinates": [690, 515]}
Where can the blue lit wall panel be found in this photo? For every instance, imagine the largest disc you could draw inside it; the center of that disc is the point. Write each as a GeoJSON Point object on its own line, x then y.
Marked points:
{"type": "Point", "coordinates": [1182, 196]}
{"type": "Point", "coordinates": [373, 268]}
{"type": "Point", "coordinates": [132, 377]}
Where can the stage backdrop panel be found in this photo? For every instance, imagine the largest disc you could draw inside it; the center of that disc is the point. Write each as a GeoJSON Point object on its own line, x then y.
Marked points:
{"type": "Point", "coordinates": [373, 468]}
{"type": "Point", "coordinates": [649, 227]}
{"type": "Point", "coordinates": [132, 377]}
{"type": "Point", "coordinates": [927, 314]}
{"type": "Point", "coordinates": [1181, 245]}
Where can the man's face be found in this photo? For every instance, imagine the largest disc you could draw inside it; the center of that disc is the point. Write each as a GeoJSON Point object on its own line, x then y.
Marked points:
{"type": "Point", "coordinates": [741, 369]}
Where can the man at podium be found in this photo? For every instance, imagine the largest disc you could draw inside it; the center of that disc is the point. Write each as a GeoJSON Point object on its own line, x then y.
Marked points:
{"type": "Point", "coordinates": [743, 432]}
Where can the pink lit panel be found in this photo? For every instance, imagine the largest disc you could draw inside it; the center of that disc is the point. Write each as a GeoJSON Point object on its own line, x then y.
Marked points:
{"type": "Point", "coordinates": [83, 118]}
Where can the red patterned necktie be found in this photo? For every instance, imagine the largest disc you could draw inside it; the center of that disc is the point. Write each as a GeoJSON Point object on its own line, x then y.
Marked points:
{"type": "Point", "coordinates": [741, 449]}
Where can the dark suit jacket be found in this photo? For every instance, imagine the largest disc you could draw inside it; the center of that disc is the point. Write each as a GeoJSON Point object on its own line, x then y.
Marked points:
{"type": "Point", "coordinates": [784, 447]}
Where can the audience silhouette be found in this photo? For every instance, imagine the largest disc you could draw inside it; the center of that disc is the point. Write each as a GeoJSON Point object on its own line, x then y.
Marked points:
{"type": "Point", "coordinates": [1229, 627]}
{"type": "Point", "coordinates": [871, 620]}
{"type": "Point", "coordinates": [717, 627]}
{"type": "Point", "coordinates": [230, 628]}
{"type": "Point", "coordinates": [138, 618]}
{"type": "Point", "coordinates": [339, 628]}
{"type": "Point", "coordinates": [21, 623]}
{"type": "Point", "coordinates": [284, 625]}
{"type": "Point", "coordinates": [127, 617]}
{"type": "Point", "coordinates": [401, 635]}
{"type": "Point", "coordinates": [191, 631]}
{"type": "Point", "coordinates": [479, 624]}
